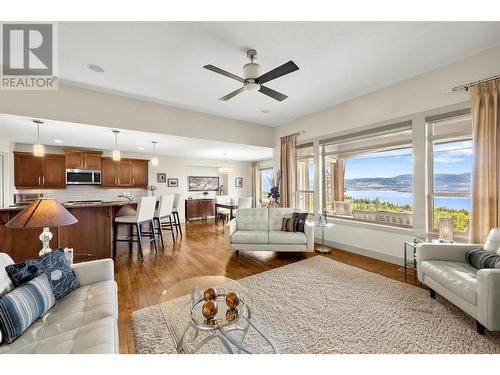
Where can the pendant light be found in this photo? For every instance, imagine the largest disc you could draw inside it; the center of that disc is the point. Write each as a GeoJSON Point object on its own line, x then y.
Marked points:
{"type": "Point", "coordinates": [38, 149]}
{"type": "Point", "coordinates": [225, 169]}
{"type": "Point", "coordinates": [154, 159]}
{"type": "Point", "coordinates": [116, 152]}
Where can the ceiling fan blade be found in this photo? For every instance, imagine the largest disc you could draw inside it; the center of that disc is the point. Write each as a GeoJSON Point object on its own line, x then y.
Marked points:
{"type": "Point", "coordinates": [278, 72]}
{"type": "Point", "coordinates": [231, 94]}
{"type": "Point", "coordinates": [273, 94]}
{"type": "Point", "coordinates": [224, 73]}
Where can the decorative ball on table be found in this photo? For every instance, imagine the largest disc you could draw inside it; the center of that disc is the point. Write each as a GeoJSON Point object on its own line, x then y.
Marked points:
{"type": "Point", "coordinates": [209, 310]}
{"type": "Point", "coordinates": [210, 294]}
{"type": "Point", "coordinates": [232, 300]}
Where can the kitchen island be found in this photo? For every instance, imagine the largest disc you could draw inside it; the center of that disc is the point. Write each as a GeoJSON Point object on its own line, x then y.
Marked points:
{"type": "Point", "coordinates": [91, 237]}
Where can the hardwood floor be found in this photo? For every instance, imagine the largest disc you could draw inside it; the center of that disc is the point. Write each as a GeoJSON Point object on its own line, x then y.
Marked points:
{"type": "Point", "coordinates": [201, 252]}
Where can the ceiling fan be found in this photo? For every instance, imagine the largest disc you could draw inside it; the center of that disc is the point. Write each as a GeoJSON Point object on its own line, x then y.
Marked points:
{"type": "Point", "coordinates": [252, 80]}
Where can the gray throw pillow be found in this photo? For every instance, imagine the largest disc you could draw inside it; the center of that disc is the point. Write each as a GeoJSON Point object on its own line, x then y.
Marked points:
{"type": "Point", "coordinates": [480, 259]}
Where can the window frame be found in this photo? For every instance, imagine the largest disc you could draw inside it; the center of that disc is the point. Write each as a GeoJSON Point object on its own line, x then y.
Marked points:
{"type": "Point", "coordinates": [261, 190]}
{"type": "Point", "coordinates": [307, 157]}
{"type": "Point", "coordinates": [431, 194]}
{"type": "Point", "coordinates": [398, 145]}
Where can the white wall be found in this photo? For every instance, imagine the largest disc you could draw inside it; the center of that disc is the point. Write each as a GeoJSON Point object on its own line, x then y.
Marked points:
{"type": "Point", "coordinates": [412, 99]}
{"type": "Point", "coordinates": [181, 168]}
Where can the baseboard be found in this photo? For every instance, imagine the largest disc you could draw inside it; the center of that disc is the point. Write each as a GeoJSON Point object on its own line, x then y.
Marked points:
{"type": "Point", "coordinates": [365, 252]}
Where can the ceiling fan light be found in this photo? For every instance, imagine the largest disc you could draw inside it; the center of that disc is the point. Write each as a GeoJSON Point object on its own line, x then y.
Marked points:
{"type": "Point", "coordinates": [116, 155]}
{"type": "Point", "coordinates": [252, 86]}
{"type": "Point", "coordinates": [154, 162]}
{"type": "Point", "coordinates": [38, 150]}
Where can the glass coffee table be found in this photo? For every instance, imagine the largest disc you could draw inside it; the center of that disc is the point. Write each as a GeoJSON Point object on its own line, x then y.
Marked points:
{"type": "Point", "coordinates": [222, 329]}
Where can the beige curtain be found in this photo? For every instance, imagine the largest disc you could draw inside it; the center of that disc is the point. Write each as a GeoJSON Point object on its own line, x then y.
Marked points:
{"type": "Point", "coordinates": [485, 176]}
{"type": "Point", "coordinates": [338, 180]}
{"type": "Point", "coordinates": [256, 184]}
{"type": "Point", "coordinates": [287, 170]}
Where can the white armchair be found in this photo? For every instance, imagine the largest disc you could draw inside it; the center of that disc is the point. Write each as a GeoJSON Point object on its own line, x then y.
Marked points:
{"type": "Point", "coordinates": [444, 269]}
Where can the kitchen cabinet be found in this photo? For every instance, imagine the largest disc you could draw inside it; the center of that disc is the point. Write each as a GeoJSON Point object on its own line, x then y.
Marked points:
{"type": "Point", "coordinates": [140, 173]}
{"type": "Point", "coordinates": [79, 159]}
{"type": "Point", "coordinates": [33, 172]}
{"type": "Point", "coordinates": [124, 173]}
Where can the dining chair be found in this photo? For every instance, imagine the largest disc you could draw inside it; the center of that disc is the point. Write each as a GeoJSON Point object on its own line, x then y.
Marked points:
{"type": "Point", "coordinates": [164, 213]}
{"type": "Point", "coordinates": [175, 214]}
{"type": "Point", "coordinates": [144, 215]}
{"type": "Point", "coordinates": [223, 212]}
{"type": "Point", "coordinates": [245, 202]}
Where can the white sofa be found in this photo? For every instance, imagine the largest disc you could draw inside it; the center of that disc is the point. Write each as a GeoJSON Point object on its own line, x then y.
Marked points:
{"type": "Point", "coordinates": [260, 229]}
{"type": "Point", "coordinates": [444, 269]}
{"type": "Point", "coordinates": [84, 322]}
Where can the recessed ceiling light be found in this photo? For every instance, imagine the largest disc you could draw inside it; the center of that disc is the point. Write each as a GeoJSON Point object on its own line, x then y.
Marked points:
{"type": "Point", "coordinates": [58, 141]}
{"type": "Point", "coordinates": [265, 111]}
{"type": "Point", "coordinates": [95, 68]}
{"type": "Point", "coordinates": [140, 148]}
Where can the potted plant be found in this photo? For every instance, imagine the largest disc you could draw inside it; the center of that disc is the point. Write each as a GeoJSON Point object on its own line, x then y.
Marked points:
{"type": "Point", "coordinates": [205, 193]}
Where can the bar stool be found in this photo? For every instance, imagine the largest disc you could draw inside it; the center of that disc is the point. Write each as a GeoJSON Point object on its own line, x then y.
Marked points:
{"type": "Point", "coordinates": [175, 214]}
{"type": "Point", "coordinates": [164, 212]}
{"type": "Point", "coordinates": [144, 215]}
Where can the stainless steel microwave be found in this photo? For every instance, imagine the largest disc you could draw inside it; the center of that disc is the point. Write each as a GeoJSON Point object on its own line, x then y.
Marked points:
{"type": "Point", "coordinates": [83, 177]}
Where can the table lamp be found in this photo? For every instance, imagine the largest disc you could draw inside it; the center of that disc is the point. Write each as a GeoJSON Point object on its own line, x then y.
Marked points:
{"type": "Point", "coordinates": [43, 213]}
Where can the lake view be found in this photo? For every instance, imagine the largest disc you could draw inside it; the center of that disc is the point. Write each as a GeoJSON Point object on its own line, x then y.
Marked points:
{"type": "Point", "coordinates": [401, 198]}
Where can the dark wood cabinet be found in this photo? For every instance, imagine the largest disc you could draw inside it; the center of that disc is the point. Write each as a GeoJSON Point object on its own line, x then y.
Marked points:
{"type": "Point", "coordinates": [78, 159]}
{"type": "Point", "coordinates": [124, 173]}
{"type": "Point", "coordinates": [32, 172]}
{"type": "Point", "coordinates": [199, 208]}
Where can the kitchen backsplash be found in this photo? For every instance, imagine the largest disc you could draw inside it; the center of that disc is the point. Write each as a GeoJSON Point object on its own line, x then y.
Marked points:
{"type": "Point", "coordinates": [79, 193]}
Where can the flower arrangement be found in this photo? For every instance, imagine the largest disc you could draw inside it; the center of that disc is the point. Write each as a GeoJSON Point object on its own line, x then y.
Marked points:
{"type": "Point", "coordinates": [205, 193]}
{"type": "Point", "coordinates": [274, 192]}
{"type": "Point", "coordinates": [152, 188]}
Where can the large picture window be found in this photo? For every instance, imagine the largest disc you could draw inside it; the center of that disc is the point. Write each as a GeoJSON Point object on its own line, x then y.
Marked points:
{"type": "Point", "coordinates": [368, 176]}
{"type": "Point", "coordinates": [304, 196]}
{"type": "Point", "coordinates": [450, 155]}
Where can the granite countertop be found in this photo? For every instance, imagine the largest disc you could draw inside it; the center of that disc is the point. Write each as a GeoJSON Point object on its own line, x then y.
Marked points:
{"type": "Point", "coordinates": [79, 205]}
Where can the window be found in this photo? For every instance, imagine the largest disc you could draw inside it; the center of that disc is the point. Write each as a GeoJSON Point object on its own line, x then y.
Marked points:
{"type": "Point", "coordinates": [304, 197]}
{"type": "Point", "coordinates": [266, 182]}
{"type": "Point", "coordinates": [368, 176]}
{"type": "Point", "coordinates": [450, 155]}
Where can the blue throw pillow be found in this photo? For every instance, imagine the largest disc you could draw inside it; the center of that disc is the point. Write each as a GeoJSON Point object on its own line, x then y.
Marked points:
{"type": "Point", "coordinates": [60, 274]}
{"type": "Point", "coordinates": [480, 258]}
{"type": "Point", "coordinates": [21, 273]}
{"type": "Point", "coordinates": [54, 264]}
{"type": "Point", "coordinates": [24, 305]}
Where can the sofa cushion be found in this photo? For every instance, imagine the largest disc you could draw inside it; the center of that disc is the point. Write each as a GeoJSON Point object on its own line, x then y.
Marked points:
{"type": "Point", "coordinates": [252, 219]}
{"type": "Point", "coordinates": [493, 241]}
{"type": "Point", "coordinates": [85, 305]}
{"type": "Point", "coordinates": [287, 238]}
{"type": "Point", "coordinates": [459, 278]}
{"type": "Point", "coordinates": [22, 306]}
{"type": "Point", "coordinates": [5, 282]}
{"type": "Point", "coordinates": [289, 224]}
{"type": "Point", "coordinates": [250, 236]}
{"type": "Point", "coordinates": [100, 337]}
{"type": "Point", "coordinates": [276, 216]}
{"type": "Point", "coordinates": [301, 220]}
{"type": "Point", "coordinates": [479, 259]}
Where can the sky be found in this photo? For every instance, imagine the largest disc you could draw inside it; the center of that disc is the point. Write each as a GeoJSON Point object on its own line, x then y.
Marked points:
{"type": "Point", "coordinates": [453, 158]}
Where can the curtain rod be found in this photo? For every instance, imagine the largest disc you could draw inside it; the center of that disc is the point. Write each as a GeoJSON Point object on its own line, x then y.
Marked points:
{"type": "Point", "coordinates": [467, 85]}
{"type": "Point", "coordinates": [297, 134]}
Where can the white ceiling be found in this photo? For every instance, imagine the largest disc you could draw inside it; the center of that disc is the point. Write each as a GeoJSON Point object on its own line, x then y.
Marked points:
{"type": "Point", "coordinates": [163, 61]}
{"type": "Point", "coordinates": [23, 130]}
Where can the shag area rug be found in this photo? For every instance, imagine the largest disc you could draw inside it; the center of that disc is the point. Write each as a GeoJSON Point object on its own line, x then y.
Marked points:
{"type": "Point", "coordinates": [322, 306]}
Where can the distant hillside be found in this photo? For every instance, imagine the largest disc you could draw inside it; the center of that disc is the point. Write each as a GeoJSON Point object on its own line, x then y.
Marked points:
{"type": "Point", "coordinates": [443, 182]}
